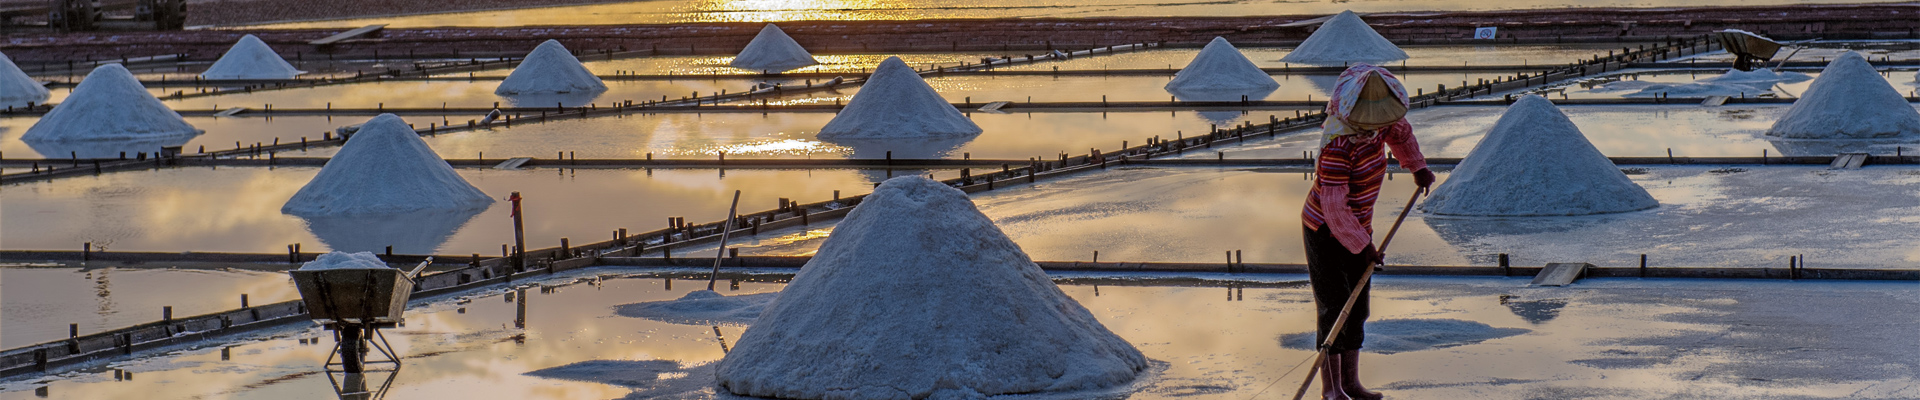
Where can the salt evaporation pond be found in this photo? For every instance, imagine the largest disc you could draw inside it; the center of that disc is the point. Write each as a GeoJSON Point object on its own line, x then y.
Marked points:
{"type": "Point", "coordinates": [1628, 83]}
{"type": "Point", "coordinates": [221, 135]}
{"type": "Point", "coordinates": [792, 135]}
{"type": "Point", "coordinates": [1709, 216]}
{"type": "Point", "coordinates": [1618, 131]}
{"type": "Point", "coordinates": [957, 88]}
{"type": "Point", "coordinates": [39, 300]}
{"type": "Point", "coordinates": [1266, 57]}
{"type": "Point", "coordinates": [436, 94]}
{"type": "Point", "coordinates": [238, 209]}
{"type": "Point", "coordinates": [1821, 51]}
{"type": "Point", "coordinates": [1269, 57]}
{"type": "Point", "coordinates": [1650, 338]}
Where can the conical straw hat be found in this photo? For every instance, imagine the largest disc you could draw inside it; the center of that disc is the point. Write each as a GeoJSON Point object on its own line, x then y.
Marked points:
{"type": "Point", "coordinates": [1377, 107]}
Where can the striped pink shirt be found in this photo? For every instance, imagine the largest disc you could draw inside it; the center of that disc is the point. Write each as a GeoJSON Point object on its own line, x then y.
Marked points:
{"type": "Point", "coordinates": [1361, 165]}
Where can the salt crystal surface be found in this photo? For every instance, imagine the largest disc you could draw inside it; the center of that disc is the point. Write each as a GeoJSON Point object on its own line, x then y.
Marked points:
{"type": "Point", "coordinates": [896, 103]}
{"type": "Point", "coordinates": [1344, 39]}
{"type": "Point", "coordinates": [773, 51]}
{"type": "Point", "coordinates": [701, 307]}
{"type": "Point", "coordinates": [1850, 100]}
{"type": "Point", "coordinates": [1535, 162]}
{"type": "Point", "coordinates": [385, 168]}
{"type": "Point", "coordinates": [916, 294]}
{"type": "Point", "coordinates": [550, 69]}
{"type": "Point", "coordinates": [16, 88]}
{"type": "Point", "coordinates": [251, 58]}
{"type": "Point", "coordinates": [1220, 66]}
{"type": "Point", "coordinates": [338, 260]}
{"type": "Point", "coordinates": [109, 105]}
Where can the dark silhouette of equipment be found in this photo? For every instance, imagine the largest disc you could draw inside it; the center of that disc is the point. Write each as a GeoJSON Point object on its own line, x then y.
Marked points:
{"type": "Point", "coordinates": [1748, 49]}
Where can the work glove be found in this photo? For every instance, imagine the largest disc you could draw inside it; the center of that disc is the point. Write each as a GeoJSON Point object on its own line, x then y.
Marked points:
{"type": "Point", "coordinates": [1373, 255]}
{"type": "Point", "coordinates": [1423, 177]}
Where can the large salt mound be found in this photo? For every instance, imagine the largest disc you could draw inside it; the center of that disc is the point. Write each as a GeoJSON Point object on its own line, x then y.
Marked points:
{"type": "Point", "coordinates": [549, 68]}
{"type": "Point", "coordinates": [16, 88]}
{"type": "Point", "coordinates": [109, 105]}
{"type": "Point", "coordinates": [1848, 101]}
{"type": "Point", "coordinates": [1220, 66]}
{"type": "Point", "coordinates": [384, 169]}
{"type": "Point", "coordinates": [896, 103]}
{"type": "Point", "coordinates": [918, 295]}
{"type": "Point", "coordinates": [772, 50]}
{"type": "Point", "coordinates": [1344, 39]}
{"type": "Point", "coordinates": [1535, 162]}
{"type": "Point", "coordinates": [250, 58]}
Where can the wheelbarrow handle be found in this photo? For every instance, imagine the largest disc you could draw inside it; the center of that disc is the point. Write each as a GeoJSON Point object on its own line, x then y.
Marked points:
{"type": "Point", "coordinates": [415, 273]}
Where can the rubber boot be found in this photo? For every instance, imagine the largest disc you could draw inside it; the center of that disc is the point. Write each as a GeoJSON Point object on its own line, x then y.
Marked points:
{"type": "Point", "coordinates": [1350, 377]}
{"type": "Point", "coordinates": [1330, 379]}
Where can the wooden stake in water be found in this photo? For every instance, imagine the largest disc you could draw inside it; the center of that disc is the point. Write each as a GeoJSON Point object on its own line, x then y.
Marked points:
{"type": "Point", "coordinates": [725, 231]}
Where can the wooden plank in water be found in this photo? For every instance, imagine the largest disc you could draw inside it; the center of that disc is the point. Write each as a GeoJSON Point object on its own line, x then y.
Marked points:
{"type": "Point", "coordinates": [1714, 101]}
{"type": "Point", "coordinates": [356, 32]}
{"type": "Point", "coordinates": [1560, 274]}
{"type": "Point", "coordinates": [994, 107]}
{"type": "Point", "coordinates": [513, 163]}
{"type": "Point", "coordinates": [1848, 161]}
{"type": "Point", "coordinates": [230, 112]}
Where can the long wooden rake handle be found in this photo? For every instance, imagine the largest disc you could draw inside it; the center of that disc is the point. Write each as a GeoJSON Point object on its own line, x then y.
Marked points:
{"type": "Point", "coordinates": [1355, 296]}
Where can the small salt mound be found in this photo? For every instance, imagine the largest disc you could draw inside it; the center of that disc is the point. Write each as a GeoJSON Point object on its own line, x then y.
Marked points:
{"type": "Point", "coordinates": [549, 68]}
{"type": "Point", "coordinates": [384, 169]}
{"type": "Point", "coordinates": [1535, 162]}
{"type": "Point", "coordinates": [918, 295]}
{"type": "Point", "coordinates": [109, 105]}
{"type": "Point", "coordinates": [1686, 90]}
{"type": "Point", "coordinates": [16, 88]}
{"type": "Point", "coordinates": [896, 103]}
{"type": "Point", "coordinates": [702, 307]}
{"type": "Point", "coordinates": [1390, 336]}
{"type": "Point", "coordinates": [772, 50]}
{"type": "Point", "coordinates": [1344, 39]}
{"type": "Point", "coordinates": [338, 260]}
{"type": "Point", "coordinates": [250, 58]}
{"type": "Point", "coordinates": [1760, 76]}
{"type": "Point", "coordinates": [1850, 100]}
{"type": "Point", "coordinates": [1220, 66]}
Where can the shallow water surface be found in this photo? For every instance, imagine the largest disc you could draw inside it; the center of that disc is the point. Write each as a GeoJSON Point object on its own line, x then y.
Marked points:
{"type": "Point", "coordinates": [1219, 340]}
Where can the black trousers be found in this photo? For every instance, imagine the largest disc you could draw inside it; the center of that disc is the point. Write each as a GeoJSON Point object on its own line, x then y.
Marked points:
{"type": "Point", "coordinates": [1333, 273]}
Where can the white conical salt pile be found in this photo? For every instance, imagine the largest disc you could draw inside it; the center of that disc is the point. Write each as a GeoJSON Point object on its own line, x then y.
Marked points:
{"type": "Point", "coordinates": [16, 88]}
{"type": "Point", "coordinates": [1220, 66]}
{"type": "Point", "coordinates": [918, 295]}
{"type": "Point", "coordinates": [1535, 162]}
{"type": "Point", "coordinates": [772, 50]}
{"type": "Point", "coordinates": [896, 103]}
{"type": "Point", "coordinates": [1849, 100]}
{"type": "Point", "coordinates": [549, 68]}
{"type": "Point", "coordinates": [250, 58]}
{"type": "Point", "coordinates": [384, 169]}
{"type": "Point", "coordinates": [109, 105]}
{"type": "Point", "coordinates": [1344, 39]}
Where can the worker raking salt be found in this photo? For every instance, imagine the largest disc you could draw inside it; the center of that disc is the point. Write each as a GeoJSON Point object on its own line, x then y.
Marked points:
{"type": "Point", "coordinates": [1365, 117]}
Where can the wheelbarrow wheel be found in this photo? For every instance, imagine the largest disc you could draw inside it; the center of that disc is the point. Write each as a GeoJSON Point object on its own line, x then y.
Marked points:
{"type": "Point", "coordinates": [352, 350]}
